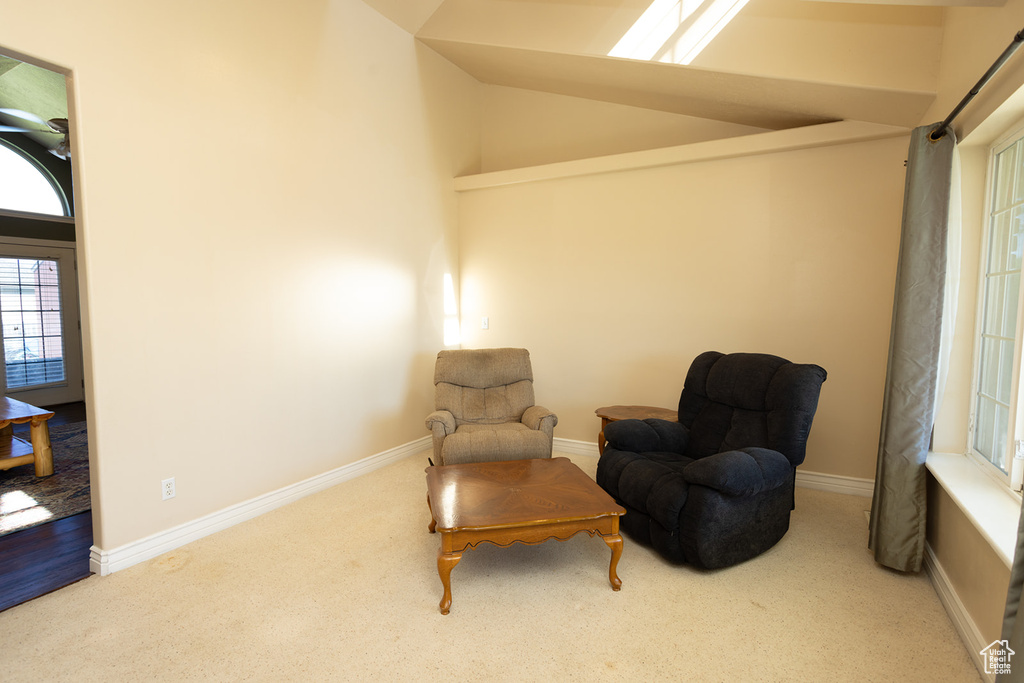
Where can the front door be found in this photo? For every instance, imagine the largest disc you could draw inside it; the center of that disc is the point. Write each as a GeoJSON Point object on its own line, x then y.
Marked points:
{"type": "Point", "coordinates": [39, 324]}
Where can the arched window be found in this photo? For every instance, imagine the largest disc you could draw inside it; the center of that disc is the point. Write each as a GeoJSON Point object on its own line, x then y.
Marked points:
{"type": "Point", "coordinates": [24, 187]}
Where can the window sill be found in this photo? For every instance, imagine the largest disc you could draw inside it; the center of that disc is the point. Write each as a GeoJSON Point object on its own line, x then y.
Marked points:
{"type": "Point", "coordinates": [992, 508]}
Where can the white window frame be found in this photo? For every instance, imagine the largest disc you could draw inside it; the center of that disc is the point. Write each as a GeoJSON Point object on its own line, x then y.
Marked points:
{"type": "Point", "coordinates": [1014, 455]}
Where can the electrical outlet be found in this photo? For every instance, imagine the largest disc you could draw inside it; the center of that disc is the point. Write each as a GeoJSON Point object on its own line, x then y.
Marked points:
{"type": "Point", "coordinates": [167, 486]}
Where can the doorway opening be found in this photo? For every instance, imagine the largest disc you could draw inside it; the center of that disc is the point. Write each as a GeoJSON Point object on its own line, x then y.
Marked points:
{"type": "Point", "coordinates": [45, 522]}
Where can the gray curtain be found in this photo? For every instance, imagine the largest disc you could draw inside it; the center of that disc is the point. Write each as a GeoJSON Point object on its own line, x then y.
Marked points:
{"type": "Point", "coordinates": [898, 510]}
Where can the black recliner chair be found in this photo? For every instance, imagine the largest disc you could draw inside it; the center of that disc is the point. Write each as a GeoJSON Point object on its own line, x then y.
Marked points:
{"type": "Point", "coordinates": [716, 488]}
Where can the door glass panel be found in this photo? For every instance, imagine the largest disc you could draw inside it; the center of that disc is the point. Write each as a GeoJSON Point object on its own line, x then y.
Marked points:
{"type": "Point", "coordinates": [31, 322]}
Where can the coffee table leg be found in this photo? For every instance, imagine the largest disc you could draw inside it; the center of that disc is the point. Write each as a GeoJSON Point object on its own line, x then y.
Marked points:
{"type": "Point", "coordinates": [40, 435]}
{"type": "Point", "coordinates": [445, 565]}
{"type": "Point", "coordinates": [615, 543]}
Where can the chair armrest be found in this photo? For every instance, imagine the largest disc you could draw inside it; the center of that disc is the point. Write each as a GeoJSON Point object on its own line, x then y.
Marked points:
{"type": "Point", "coordinates": [443, 420]}
{"type": "Point", "coordinates": [740, 473]}
{"type": "Point", "coordinates": [643, 436]}
{"type": "Point", "coordinates": [536, 415]}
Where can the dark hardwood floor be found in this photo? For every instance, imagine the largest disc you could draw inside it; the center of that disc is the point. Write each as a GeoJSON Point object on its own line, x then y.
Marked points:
{"type": "Point", "coordinates": [42, 559]}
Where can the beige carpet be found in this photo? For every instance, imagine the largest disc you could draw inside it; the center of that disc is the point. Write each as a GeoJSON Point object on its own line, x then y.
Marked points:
{"type": "Point", "coordinates": [343, 585]}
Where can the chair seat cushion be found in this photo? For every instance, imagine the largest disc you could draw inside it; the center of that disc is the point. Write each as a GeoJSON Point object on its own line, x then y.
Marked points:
{"type": "Point", "coordinates": [488, 443]}
{"type": "Point", "coordinates": [653, 483]}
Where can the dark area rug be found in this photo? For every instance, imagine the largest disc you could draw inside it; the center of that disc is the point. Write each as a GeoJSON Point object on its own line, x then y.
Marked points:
{"type": "Point", "coordinates": [27, 500]}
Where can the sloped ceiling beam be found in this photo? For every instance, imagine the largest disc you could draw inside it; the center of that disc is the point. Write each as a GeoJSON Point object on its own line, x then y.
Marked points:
{"type": "Point", "coordinates": [923, 3]}
{"type": "Point", "coordinates": [773, 103]}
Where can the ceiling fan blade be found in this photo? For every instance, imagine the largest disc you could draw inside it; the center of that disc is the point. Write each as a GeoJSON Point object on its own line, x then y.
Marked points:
{"type": "Point", "coordinates": [23, 115]}
{"type": "Point", "coordinates": [56, 126]}
{"type": "Point", "coordinates": [53, 126]}
{"type": "Point", "coordinates": [17, 129]}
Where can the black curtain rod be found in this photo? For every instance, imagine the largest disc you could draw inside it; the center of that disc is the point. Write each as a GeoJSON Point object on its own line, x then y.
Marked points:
{"type": "Point", "coordinates": [940, 130]}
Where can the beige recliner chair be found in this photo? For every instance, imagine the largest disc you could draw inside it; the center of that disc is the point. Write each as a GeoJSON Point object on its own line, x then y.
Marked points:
{"type": "Point", "coordinates": [484, 408]}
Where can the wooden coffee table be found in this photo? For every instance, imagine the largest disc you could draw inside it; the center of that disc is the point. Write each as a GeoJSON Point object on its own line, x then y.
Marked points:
{"type": "Point", "coordinates": [615, 413]}
{"type": "Point", "coordinates": [15, 451]}
{"type": "Point", "coordinates": [516, 501]}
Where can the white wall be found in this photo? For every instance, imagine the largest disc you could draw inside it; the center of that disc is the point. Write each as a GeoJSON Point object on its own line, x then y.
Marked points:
{"type": "Point", "coordinates": [615, 282]}
{"type": "Point", "coordinates": [265, 218]}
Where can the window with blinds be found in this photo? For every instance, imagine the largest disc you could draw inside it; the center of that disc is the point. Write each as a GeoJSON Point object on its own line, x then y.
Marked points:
{"type": "Point", "coordinates": [30, 311]}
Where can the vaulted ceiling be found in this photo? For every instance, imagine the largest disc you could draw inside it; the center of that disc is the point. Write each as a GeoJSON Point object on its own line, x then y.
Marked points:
{"type": "Point", "coordinates": [777, 64]}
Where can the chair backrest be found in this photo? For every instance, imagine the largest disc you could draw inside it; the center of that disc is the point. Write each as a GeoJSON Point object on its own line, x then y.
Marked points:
{"type": "Point", "coordinates": [749, 399]}
{"type": "Point", "coordinates": [484, 386]}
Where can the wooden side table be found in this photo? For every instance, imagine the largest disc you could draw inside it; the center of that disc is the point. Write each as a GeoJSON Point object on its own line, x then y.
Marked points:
{"type": "Point", "coordinates": [15, 451]}
{"type": "Point", "coordinates": [615, 413]}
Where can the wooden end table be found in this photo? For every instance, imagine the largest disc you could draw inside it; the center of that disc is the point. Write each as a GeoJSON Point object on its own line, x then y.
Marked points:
{"type": "Point", "coordinates": [15, 451]}
{"type": "Point", "coordinates": [614, 413]}
{"type": "Point", "coordinates": [516, 501]}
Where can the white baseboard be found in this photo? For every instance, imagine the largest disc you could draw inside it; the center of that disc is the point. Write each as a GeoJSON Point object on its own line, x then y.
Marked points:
{"type": "Point", "coordinates": [834, 483]}
{"type": "Point", "coordinates": [962, 621]}
{"type": "Point", "coordinates": [574, 447]}
{"type": "Point", "coordinates": [104, 562]}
